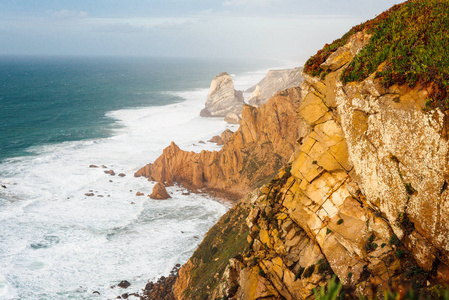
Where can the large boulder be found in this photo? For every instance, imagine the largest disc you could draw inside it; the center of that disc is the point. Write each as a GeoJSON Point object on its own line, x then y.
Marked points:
{"type": "Point", "coordinates": [159, 192]}
{"type": "Point", "coordinates": [274, 82]}
{"type": "Point", "coordinates": [223, 99]}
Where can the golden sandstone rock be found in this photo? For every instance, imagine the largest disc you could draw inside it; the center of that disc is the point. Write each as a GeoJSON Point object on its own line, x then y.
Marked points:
{"type": "Point", "coordinates": [364, 195]}
{"type": "Point", "coordinates": [262, 144]}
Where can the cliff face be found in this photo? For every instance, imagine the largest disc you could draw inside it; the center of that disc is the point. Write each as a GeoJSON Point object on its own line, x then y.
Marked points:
{"type": "Point", "coordinates": [274, 82]}
{"type": "Point", "coordinates": [263, 143]}
{"type": "Point", "coordinates": [364, 196]}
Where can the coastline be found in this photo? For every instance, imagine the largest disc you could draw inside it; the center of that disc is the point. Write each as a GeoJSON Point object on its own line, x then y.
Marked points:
{"type": "Point", "coordinates": [70, 160]}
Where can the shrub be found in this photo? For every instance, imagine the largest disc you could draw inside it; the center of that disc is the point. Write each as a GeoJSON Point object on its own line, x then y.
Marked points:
{"type": "Point", "coordinates": [308, 271]}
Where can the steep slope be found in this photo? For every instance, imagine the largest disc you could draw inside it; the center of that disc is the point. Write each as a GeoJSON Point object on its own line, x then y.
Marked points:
{"type": "Point", "coordinates": [365, 194]}
{"type": "Point", "coordinates": [262, 144]}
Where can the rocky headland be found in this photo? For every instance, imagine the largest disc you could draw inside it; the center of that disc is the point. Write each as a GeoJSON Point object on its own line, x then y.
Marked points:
{"type": "Point", "coordinates": [262, 144]}
{"type": "Point", "coordinates": [362, 189]}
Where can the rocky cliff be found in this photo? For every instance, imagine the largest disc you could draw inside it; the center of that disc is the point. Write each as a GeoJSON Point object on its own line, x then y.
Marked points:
{"type": "Point", "coordinates": [223, 100]}
{"type": "Point", "coordinates": [274, 82]}
{"type": "Point", "coordinates": [263, 143]}
{"type": "Point", "coordinates": [364, 195]}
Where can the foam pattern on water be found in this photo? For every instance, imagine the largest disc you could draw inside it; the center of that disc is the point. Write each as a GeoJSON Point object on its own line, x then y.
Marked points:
{"type": "Point", "coordinates": [58, 243]}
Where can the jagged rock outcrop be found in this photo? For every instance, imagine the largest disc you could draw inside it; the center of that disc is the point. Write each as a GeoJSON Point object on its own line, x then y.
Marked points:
{"type": "Point", "coordinates": [223, 99]}
{"type": "Point", "coordinates": [363, 197]}
{"type": "Point", "coordinates": [159, 192]}
{"type": "Point", "coordinates": [274, 82]}
{"type": "Point", "coordinates": [262, 144]}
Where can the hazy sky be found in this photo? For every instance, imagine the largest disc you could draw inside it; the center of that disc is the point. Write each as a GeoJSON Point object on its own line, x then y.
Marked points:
{"type": "Point", "coordinates": [283, 29]}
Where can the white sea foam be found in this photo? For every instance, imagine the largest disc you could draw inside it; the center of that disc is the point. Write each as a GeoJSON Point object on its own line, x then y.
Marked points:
{"type": "Point", "coordinates": [58, 243]}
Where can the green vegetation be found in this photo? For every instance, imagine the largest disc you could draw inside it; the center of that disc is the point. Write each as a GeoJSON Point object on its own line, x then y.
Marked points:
{"type": "Point", "coordinates": [408, 43]}
{"type": "Point", "coordinates": [369, 245]}
{"type": "Point", "coordinates": [225, 240]}
{"type": "Point", "coordinates": [408, 187]}
{"type": "Point", "coordinates": [394, 240]}
{"type": "Point", "coordinates": [308, 271]}
{"type": "Point", "coordinates": [334, 290]}
{"type": "Point", "coordinates": [329, 292]}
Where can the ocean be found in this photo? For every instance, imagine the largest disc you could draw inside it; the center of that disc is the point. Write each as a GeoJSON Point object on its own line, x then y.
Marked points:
{"type": "Point", "coordinates": [62, 114]}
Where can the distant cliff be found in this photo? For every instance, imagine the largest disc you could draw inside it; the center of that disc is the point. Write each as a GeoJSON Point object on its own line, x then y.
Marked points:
{"type": "Point", "coordinates": [274, 82]}
{"type": "Point", "coordinates": [365, 194]}
{"type": "Point", "coordinates": [263, 143]}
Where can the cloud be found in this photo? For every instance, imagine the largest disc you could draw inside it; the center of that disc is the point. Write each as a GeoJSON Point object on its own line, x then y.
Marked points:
{"type": "Point", "coordinates": [253, 3]}
{"type": "Point", "coordinates": [68, 14]}
{"type": "Point", "coordinates": [136, 25]}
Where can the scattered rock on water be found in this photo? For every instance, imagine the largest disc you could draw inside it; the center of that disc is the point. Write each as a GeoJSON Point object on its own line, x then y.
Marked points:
{"type": "Point", "coordinates": [104, 167]}
{"type": "Point", "coordinates": [93, 166]}
{"type": "Point", "coordinates": [216, 139]}
{"type": "Point", "coordinates": [3, 186]}
{"type": "Point", "coordinates": [89, 194]}
{"type": "Point", "coordinates": [140, 194]}
{"type": "Point", "coordinates": [110, 172]}
{"type": "Point", "coordinates": [96, 292]}
{"type": "Point", "coordinates": [124, 284]}
{"type": "Point", "coordinates": [201, 142]}
{"type": "Point", "coordinates": [122, 175]}
{"type": "Point", "coordinates": [159, 192]}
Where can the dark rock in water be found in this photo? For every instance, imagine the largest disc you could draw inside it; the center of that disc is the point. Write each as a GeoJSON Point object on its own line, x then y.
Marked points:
{"type": "Point", "coordinates": [125, 296]}
{"type": "Point", "coordinates": [110, 172]}
{"type": "Point", "coordinates": [133, 203]}
{"type": "Point", "coordinates": [122, 175]}
{"type": "Point", "coordinates": [124, 284]}
{"type": "Point", "coordinates": [110, 181]}
{"type": "Point", "coordinates": [159, 192]}
{"type": "Point", "coordinates": [103, 166]}
{"type": "Point", "coordinates": [201, 142]}
{"type": "Point", "coordinates": [216, 139]}
{"type": "Point", "coordinates": [140, 194]}
{"type": "Point", "coordinates": [3, 186]}
{"type": "Point", "coordinates": [89, 194]}
{"type": "Point", "coordinates": [96, 292]}
{"type": "Point", "coordinates": [162, 289]}
{"type": "Point", "coordinates": [101, 196]}
{"type": "Point", "coordinates": [93, 166]}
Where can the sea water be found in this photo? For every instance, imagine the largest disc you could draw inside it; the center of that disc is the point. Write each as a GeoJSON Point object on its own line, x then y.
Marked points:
{"type": "Point", "coordinates": [59, 116]}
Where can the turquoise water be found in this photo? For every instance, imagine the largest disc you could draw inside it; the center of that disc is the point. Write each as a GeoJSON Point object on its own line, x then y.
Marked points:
{"type": "Point", "coordinates": [60, 115]}
{"type": "Point", "coordinates": [51, 100]}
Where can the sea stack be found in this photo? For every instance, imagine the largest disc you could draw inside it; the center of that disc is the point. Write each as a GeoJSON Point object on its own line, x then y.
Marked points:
{"type": "Point", "coordinates": [223, 99]}
{"type": "Point", "coordinates": [159, 192]}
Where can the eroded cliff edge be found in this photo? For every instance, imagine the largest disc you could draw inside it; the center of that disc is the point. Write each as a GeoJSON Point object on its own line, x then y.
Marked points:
{"type": "Point", "coordinates": [262, 144]}
{"type": "Point", "coordinates": [364, 197]}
